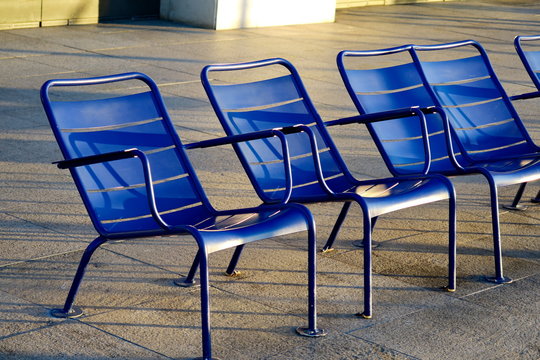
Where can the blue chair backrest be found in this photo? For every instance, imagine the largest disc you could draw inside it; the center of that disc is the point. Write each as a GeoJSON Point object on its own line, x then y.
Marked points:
{"type": "Point", "coordinates": [480, 112]}
{"type": "Point", "coordinates": [393, 81]}
{"type": "Point", "coordinates": [114, 192]}
{"type": "Point", "coordinates": [530, 55]}
{"type": "Point", "coordinates": [277, 100]}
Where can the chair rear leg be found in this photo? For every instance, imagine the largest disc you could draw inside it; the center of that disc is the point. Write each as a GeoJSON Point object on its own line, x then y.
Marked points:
{"type": "Point", "coordinates": [515, 204]}
{"type": "Point", "coordinates": [189, 280]}
{"type": "Point", "coordinates": [70, 311]}
{"type": "Point", "coordinates": [360, 243]}
{"type": "Point", "coordinates": [537, 198]}
{"type": "Point", "coordinates": [367, 314]}
{"type": "Point", "coordinates": [337, 227]}
{"type": "Point", "coordinates": [497, 248]}
{"type": "Point", "coordinates": [234, 261]}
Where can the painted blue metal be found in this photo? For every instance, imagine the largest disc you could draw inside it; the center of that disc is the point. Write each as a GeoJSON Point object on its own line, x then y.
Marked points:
{"type": "Point", "coordinates": [472, 125]}
{"type": "Point", "coordinates": [278, 100]}
{"type": "Point", "coordinates": [135, 179]}
{"type": "Point", "coordinates": [531, 60]}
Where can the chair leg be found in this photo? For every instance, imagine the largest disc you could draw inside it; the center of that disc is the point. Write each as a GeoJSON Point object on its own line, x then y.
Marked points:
{"type": "Point", "coordinates": [537, 198]}
{"type": "Point", "coordinates": [234, 261]}
{"type": "Point", "coordinates": [312, 330]}
{"type": "Point", "coordinates": [189, 280]}
{"type": "Point", "coordinates": [367, 314]}
{"type": "Point", "coordinates": [337, 227]}
{"type": "Point", "coordinates": [70, 311]}
{"type": "Point", "coordinates": [374, 244]}
{"type": "Point", "coordinates": [497, 249]}
{"type": "Point", "coordinates": [205, 307]}
{"type": "Point", "coordinates": [452, 246]}
{"type": "Point", "coordinates": [515, 204]}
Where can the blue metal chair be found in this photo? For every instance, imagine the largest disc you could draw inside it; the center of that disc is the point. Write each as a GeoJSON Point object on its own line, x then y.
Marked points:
{"type": "Point", "coordinates": [472, 126]}
{"type": "Point", "coordinates": [280, 101]}
{"type": "Point", "coordinates": [135, 180]}
{"type": "Point", "coordinates": [531, 61]}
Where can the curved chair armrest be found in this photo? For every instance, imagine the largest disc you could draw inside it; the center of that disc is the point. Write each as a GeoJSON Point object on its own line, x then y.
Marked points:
{"type": "Point", "coordinates": [119, 155]}
{"type": "Point", "coordinates": [390, 115]}
{"type": "Point", "coordinates": [447, 133]}
{"type": "Point", "coordinates": [256, 136]}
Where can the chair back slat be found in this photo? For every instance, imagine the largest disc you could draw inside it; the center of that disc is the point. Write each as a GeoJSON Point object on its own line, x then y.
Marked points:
{"type": "Point", "coordinates": [480, 112]}
{"type": "Point", "coordinates": [393, 87]}
{"type": "Point", "coordinates": [268, 92]}
{"type": "Point", "coordinates": [456, 70]}
{"type": "Point", "coordinates": [114, 192]}
{"type": "Point", "coordinates": [281, 101]}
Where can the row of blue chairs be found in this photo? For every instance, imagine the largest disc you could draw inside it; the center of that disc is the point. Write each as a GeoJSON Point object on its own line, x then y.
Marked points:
{"type": "Point", "coordinates": [429, 119]}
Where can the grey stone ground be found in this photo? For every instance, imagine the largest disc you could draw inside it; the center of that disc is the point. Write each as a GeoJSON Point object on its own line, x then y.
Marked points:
{"type": "Point", "coordinates": [133, 311]}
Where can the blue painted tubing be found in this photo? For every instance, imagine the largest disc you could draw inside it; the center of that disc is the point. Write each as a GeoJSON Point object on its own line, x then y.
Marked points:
{"type": "Point", "coordinates": [462, 152]}
{"type": "Point", "coordinates": [234, 260]}
{"type": "Point", "coordinates": [319, 173]}
{"type": "Point", "coordinates": [87, 255]}
{"type": "Point", "coordinates": [96, 151]}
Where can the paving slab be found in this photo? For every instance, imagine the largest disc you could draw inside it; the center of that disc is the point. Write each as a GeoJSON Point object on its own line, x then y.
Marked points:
{"type": "Point", "coordinates": [132, 309]}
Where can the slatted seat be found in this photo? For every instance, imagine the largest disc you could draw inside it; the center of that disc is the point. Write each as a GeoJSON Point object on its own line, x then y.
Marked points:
{"type": "Point", "coordinates": [471, 124]}
{"type": "Point", "coordinates": [135, 180]}
{"type": "Point", "coordinates": [269, 94]}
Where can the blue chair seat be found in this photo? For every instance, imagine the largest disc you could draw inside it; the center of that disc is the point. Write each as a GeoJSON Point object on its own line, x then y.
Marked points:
{"type": "Point", "coordinates": [277, 99]}
{"type": "Point", "coordinates": [135, 179]}
{"type": "Point", "coordinates": [471, 125]}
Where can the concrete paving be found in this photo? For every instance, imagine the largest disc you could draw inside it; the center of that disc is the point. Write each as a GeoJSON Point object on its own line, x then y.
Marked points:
{"type": "Point", "coordinates": [132, 309]}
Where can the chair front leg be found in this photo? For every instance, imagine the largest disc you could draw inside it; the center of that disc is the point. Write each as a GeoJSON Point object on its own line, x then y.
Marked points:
{"type": "Point", "coordinates": [312, 330]}
{"type": "Point", "coordinates": [367, 314]}
{"type": "Point", "coordinates": [452, 245]}
{"type": "Point", "coordinates": [497, 248]}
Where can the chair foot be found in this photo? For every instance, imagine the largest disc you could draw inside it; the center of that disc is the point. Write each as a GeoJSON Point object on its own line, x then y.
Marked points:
{"type": "Point", "coordinates": [327, 250]}
{"type": "Point", "coordinates": [360, 244]}
{"type": "Point", "coordinates": [448, 289]}
{"type": "Point", "coordinates": [364, 316]}
{"type": "Point", "coordinates": [206, 358]}
{"type": "Point", "coordinates": [75, 312]}
{"type": "Point", "coordinates": [304, 331]}
{"type": "Point", "coordinates": [535, 200]}
{"type": "Point", "coordinates": [183, 282]}
{"type": "Point", "coordinates": [235, 273]}
{"type": "Point", "coordinates": [515, 208]}
{"type": "Point", "coordinates": [499, 280]}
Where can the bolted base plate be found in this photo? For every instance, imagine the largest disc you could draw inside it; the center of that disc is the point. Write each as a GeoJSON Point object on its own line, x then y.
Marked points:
{"type": "Point", "coordinates": [360, 244]}
{"type": "Point", "coordinates": [304, 331]}
{"type": "Point", "coordinates": [496, 280]}
{"type": "Point", "coordinates": [515, 208]}
{"type": "Point", "coordinates": [75, 312]}
{"type": "Point", "coordinates": [235, 273]}
{"type": "Point", "coordinates": [183, 283]}
{"type": "Point", "coordinates": [364, 316]}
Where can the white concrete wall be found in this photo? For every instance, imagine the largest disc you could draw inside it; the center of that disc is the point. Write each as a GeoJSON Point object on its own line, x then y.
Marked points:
{"type": "Point", "coordinates": [234, 14]}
